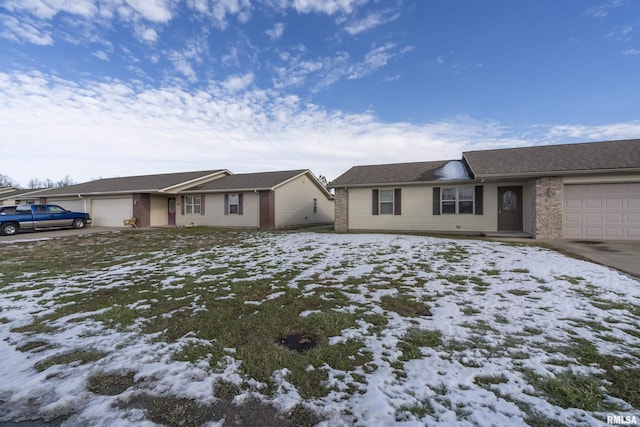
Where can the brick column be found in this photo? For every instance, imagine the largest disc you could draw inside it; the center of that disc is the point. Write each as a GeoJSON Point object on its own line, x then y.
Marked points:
{"type": "Point", "coordinates": [142, 209]}
{"type": "Point", "coordinates": [548, 208]}
{"type": "Point", "coordinates": [342, 210]}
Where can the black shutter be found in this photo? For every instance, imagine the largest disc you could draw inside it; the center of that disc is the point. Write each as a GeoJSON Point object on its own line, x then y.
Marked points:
{"type": "Point", "coordinates": [397, 201]}
{"type": "Point", "coordinates": [479, 199]}
{"type": "Point", "coordinates": [226, 204]}
{"type": "Point", "coordinates": [375, 206]}
{"type": "Point", "coordinates": [240, 204]}
{"type": "Point", "coordinates": [436, 200]}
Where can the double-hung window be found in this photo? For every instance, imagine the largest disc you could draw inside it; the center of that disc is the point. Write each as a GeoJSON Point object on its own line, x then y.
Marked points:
{"type": "Point", "coordinates": [233, 204]}
{"type": "Point", "coordinates": [386, 202]}
{"type": "Point", "coordinates": [457, 200]}
{"type": "Point", "coordinates": [192, 204]}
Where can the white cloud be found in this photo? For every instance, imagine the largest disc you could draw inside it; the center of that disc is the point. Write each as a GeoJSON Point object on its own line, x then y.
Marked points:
{"type": "Point", "coordinates": [276, 32]}
{"type": "Point", "coordinates": [238, 83]}
{"type": "Point", "coordinates": [23, 31]}
{"type": "Point", "coordinates": [371, 21]}
{"type": "Point", "coordinates": [110, 129]}
{"type": "Point", "coordinates": [47, 9]}
{"type": "Point", "coordinates": [329, 7]}
{"type": "Point", "coordinates": [101, 54]}
{"type": "Point", "coordinates": [631, 52]}
{"type": "Point", "coordinates": [219, 10]}
{"type": "Point", "coordinates": [604, 9]}
{"type": "Point", "coordinates": [152, 10]}
{"type": "Point", "coordinates": [376, 58]}
{"type": "Point", "coordinates": [145, 33]}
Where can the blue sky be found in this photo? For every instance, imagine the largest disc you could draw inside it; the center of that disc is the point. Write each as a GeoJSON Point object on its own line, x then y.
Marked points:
{"type": "Point", "coordinates": [101, 88]}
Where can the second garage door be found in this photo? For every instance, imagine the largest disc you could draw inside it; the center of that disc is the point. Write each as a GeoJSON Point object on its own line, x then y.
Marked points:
{"type": "Point", "coordinates": [111, 212]}
{"type": "Point", "coordinates": [602, 211]}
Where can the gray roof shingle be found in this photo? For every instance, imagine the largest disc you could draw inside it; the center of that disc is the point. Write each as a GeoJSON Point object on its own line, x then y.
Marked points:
{"type": "Point", "coordinates": [561, 159]}
{"type": "Point", "coordinates": [143, 183]}
{"type": "Point", "coordinates": [390, 173]}
{"type": "Point", "coordinates": [248, 181]}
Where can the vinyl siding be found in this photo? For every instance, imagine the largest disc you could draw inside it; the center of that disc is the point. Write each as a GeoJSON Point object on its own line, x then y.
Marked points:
{"type": "Point", "coordinates": [159, 210]}
{"type": "Point", "coordinates": [214, 212]}
{"type": "Point", "coordinates": [294, 204]}
{"type": "Point", "coordinates": [417, 211]}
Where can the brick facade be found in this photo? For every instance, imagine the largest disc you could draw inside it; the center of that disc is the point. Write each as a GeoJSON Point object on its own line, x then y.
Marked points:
{"type": "Point", "coordinates": [142, 209]}
{"type": "Point", "coordinates": [342, 210]}
{"type": "Point", "coordinates": [548, 208]}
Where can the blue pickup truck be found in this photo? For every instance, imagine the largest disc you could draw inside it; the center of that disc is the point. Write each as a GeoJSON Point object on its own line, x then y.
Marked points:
{"type": "Point", "coordinates": [38, 217]}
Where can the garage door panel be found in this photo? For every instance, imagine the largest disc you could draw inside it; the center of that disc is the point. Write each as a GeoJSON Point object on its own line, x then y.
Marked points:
{"type": "Point", "coordinates": [614, 233]}
{"type": "Point", "coordinates": [573, 204]}
{"type": "Point", "coordinates": [611, 218]}
{"type": "Point", "coordinates": [593, 204]}
{"type": "Point", "coordinates": [614, 203]}
{"type": "Point", "coordinates": [602, 211]}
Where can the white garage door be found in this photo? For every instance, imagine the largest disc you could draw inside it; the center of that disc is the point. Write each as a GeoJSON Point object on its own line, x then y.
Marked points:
{"type": "Point", "coordinates": [111, 212]}
{"type": "Point", "coordinates": [75, 204]}
{"type": "Point", "coordinates": [602, 211]}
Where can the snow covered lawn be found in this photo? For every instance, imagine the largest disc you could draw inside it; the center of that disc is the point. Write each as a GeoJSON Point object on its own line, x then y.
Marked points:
{"type": "Point", "coordinates": [186, 327]}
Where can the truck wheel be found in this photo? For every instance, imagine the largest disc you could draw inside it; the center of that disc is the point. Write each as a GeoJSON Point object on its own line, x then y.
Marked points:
{"type": "Point", "coordinates": [8, 229]}
{"type": "Point", "coordinates": [79, 223]}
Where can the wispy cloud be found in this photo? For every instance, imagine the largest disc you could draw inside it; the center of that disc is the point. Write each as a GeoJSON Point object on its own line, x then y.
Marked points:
{"type": "Point", "coordinates": [329, 7]}
{"type": "Point", "coordinates": [371, 21]}
{"type": "Point", "coordinates": [277, 31]}
{"type": "Point", "coordinates": [603, 9]}
{"type": "Point", "coordinates": [630, 52]}
{"type": "Point", "coordinates": [376, 58]}
{"type": "Point", "coordinates": [231, 125]}
{"type": "Point", "coordinates": [23, 31]}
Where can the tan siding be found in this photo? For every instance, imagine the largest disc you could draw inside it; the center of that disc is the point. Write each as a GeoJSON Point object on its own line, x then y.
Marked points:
{"type": "Point", "coordinates": [214, 212]}
{"type": "Point", "coordinates": [294, 203]}
{"type": "Point", "coordinates": [417, 208]}
{"type": "Point", "coordinates": [417, 211]}
{"type": "Point", "coordinates": [159, 210]}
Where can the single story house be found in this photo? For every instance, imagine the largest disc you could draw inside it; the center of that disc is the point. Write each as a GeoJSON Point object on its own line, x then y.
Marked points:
{"type": "Point", "coordinates": [191, 198]}
{"type": "Point", "coordinates": [570, 191]}
{"type": "Point", "coordinates": [264, 200]}
{"type": "Point", "coordinates": [17, 196]}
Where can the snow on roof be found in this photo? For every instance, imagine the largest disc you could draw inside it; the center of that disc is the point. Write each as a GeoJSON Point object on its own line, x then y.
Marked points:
{"type": "Point", "coordinates": [454, 169]}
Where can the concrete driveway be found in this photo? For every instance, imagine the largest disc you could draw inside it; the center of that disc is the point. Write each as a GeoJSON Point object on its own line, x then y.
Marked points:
{"type": "Point", "coordinates": [51, 234]}
{"type": "Point", "coordinates": [623, 255]}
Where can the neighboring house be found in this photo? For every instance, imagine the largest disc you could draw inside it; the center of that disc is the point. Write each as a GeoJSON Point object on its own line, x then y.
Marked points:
{"type": "Point", "coordinates": [572, 191]}
{"type": "Point", "coordinates": [217, 197]}
{"type": "Point", "coordinates": [264, 200]}
{"type": "Point", "coordinates": [152, 199]}
{"type": "Point", "coordinates": [15, 196]}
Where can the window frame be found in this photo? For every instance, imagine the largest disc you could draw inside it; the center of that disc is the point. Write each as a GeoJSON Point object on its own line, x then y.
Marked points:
{"type": "Point", "coordinates": [457, 200]}
{"type": "Point", "coordinates": [386, 203]}
{"type": "Point", "coordinates": [193, 204]}
{"type": "Point", "coordinates": [231, 204]}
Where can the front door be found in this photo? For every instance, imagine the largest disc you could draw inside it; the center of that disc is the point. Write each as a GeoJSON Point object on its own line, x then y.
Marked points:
{"type": "Point", "coordinates": [509, 208]}
{"type": "Point", "coordinates": [172, 211]}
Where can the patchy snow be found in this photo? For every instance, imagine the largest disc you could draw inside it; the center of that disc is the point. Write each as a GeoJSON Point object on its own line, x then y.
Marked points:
{"type": "Point", "coordinates": [453, 170]}
{"type": "Point", "coordinates": [523, 288]}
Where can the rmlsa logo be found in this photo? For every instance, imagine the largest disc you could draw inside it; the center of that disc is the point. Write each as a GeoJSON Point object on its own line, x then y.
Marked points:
{"type": "Point", "coordinates": [627, 420]}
